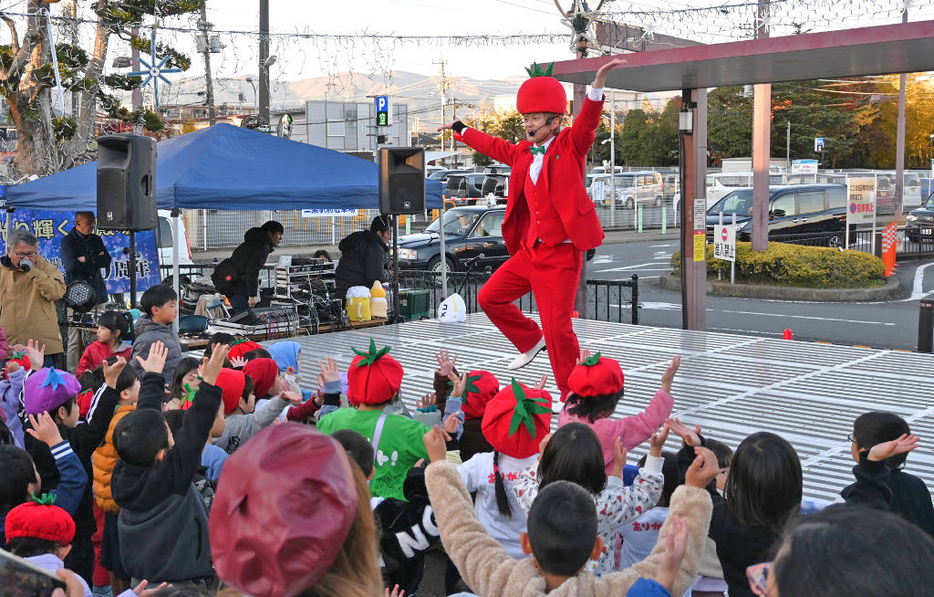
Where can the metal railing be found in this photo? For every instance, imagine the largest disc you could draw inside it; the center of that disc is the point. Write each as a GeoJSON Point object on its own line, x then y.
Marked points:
{"type": "Point", "coordinates": [607, 300]}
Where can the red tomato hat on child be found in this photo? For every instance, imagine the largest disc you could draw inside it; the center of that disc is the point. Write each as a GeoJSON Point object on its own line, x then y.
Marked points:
{"type": "Point", "coordinates": [47, 389]}
{"type": "Point", "coordinates": [374, 377]}
{"type": "Point", "coordinates": [263, 372]}
{"type": "Point", "coordinates": [238, 348]}
{"type": "Point", "coordinates": [482, 386]}
{"type": "Point", "coordinates": [517, 419]}
{"type": "Point", "coordinates": [40, 519]}
{"type": "Point", "coordinates": [232, 383]}
{"type": "Point", "coordinates": [596, 376]}
{"type": "Point", "coordinates": [283, 512]}
{"type": "Point", "coordinates": [541, 92]}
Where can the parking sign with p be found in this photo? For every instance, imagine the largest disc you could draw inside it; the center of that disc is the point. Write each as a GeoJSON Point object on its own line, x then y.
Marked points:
{"type": "Point", "coordinates": [383, 113]}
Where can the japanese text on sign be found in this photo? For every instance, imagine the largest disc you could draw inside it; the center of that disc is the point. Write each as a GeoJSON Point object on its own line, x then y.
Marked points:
{"type": "Point", "coordinates": [861, 200]}
{"type": "Point", "coordinates": [724, 243]}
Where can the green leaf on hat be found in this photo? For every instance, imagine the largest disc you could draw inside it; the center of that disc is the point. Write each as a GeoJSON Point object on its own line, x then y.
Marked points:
{"type": "Point", "coordinates": [526, 409]}
{"type": "Point", "coordinates": [470, 387]}
{"type": "Point", "coordinates": [17, 356]}
{"type": "Point", "coordinates": [237, 342]}
{"type": "Point", "coordinates": [537, 71]}
{"type": "Point", "coordinates": [372, 355]}
{"type": "Point", "coordinates": [591, 360]}
{"type": "Point", "coordinates": [46, 499]}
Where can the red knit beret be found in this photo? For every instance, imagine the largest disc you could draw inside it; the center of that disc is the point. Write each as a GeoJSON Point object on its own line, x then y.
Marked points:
{"type": "Point", "coordinates": [482, 386]}
{"type": "Point", "coordinates": [263, 372]}
{"type": "Point", "coordinates": [596, 376]}
{"type": "Point", "coordinates": [541, 93]}
{"type": "Point", "coordinates": [374, 377]}
{"type": "Point", "coordinates": [232, 383]}
{"type": "Point", "coordinates": [241, 347]}
{"type": "Point", "coordinates": [40, 521]}
{"type": "Point", "coordinates": [517, 419]}
{"type": "Point", "coordinates": [282, 511]}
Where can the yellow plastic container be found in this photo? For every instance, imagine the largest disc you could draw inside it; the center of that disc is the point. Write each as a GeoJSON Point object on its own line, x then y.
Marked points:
{"type": "Point", "coordinates": [378, 305]}
{"type": "Point", "coordinates": [358, 303]}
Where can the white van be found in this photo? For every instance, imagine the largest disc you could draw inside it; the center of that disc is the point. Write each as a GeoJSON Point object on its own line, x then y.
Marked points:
{"type": "Point", "coordinates": [166, 237]}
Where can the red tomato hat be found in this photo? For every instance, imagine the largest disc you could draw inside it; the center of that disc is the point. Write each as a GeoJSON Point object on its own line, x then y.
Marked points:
{"type": "Point", "coordinates": [517, 419]}
{"type": "Point", "coordinates": [541, 92]}
{"type": "Point", "coordinates": [596, 376]}
{"type": "Point", "coordinates": [374, 377]}
{"type": "Point", "coordinates": [238, 348]}
{"type": "Point", "coordinates": [232, 383]}
{"type": "Point", "coordinates": [263, 372]}
{"type": "Point", "coordinates": [482, 386]}
{"type": "Point", "coordinates": [40, 519]}
{"type": "Point", "coordinates": [283, 511]}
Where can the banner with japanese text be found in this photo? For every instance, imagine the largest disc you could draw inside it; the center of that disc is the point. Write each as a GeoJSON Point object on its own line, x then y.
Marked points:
{"type": "Point", "coordinates": [51, 226]}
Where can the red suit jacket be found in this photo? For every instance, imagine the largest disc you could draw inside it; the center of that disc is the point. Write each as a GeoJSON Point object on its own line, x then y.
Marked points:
{"type": "Point", "coordinates": [562, 179]}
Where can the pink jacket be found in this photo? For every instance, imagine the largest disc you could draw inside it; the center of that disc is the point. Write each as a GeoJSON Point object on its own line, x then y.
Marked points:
{"type": "Point", "coordinates": [632, 430]}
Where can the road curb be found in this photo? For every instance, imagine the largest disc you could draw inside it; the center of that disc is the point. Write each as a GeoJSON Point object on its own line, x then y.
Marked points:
{"type": "Point", "coordinates": [888, 292]}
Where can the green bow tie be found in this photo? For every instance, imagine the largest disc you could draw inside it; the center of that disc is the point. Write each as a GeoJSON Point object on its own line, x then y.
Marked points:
{"type": "Point", "coordinates": [537, 150]}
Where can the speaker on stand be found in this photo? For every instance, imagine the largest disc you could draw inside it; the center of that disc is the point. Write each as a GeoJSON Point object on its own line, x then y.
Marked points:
{"type": "Point", "coordinates": [126, 190]}
{"type": "Point", "coordinates": [401, 191]}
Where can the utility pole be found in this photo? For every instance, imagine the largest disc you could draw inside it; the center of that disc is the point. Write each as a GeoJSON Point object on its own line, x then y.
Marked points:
{"type": "Point", "coordinates": [761, 145]}
{"type": "Point", "coordinates": [205, 28]}
{"type": "Point", "coordinates": [263, 59]}
{"type": "Point", "coordinates": [134, 63]}
{"type": "Point", "coordinates": [70, 10]}
{"type": "Point", "coordinates": [900, 138]}
{"type": "Point", "coordinates": [788, 149]}
{"type": "Point", "coordinates": [443, 87]}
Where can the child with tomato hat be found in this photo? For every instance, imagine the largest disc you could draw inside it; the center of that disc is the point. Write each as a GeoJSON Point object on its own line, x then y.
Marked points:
{"type": "Point", "coordinates": [374, 380]}
{"type": "Point", "coordinates": [550, 221]}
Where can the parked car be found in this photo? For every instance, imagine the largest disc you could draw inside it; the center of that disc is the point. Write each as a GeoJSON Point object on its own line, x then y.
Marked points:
{"type": "Point", "coordinates": [465, 189]}
{"type": "Point", "coordinates": [919, 223]}
{"type": "Point", "coordinates": [497, 168]}
{"type": "Point", "coordinates": [494, 184]}
{"type": "Point", "coordinates": [165, 239]}
{"type": "Point", "coordinates": [469, 232]}
{"type": "Point", "coordinates": [804, 213]}
{"type": "Point", "coordinates": [633, 188]}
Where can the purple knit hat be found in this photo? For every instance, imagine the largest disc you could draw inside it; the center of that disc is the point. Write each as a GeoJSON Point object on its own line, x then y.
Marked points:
{"type": "Point", "coordinates": [47, 389]}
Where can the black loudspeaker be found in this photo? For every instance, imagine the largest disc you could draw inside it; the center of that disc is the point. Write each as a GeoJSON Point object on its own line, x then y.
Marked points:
{"type": "Point", "coordinates": [401, 180]}
{"type": "Point", "coordinates": [126, 182]}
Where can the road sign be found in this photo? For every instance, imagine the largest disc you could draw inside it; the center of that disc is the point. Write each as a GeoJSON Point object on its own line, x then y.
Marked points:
{"type": "Point", "coordinates": [724, 242]}
{"type": "Point", "coordinates": [597, 191]}
{"type": "Point", "coordinates": [804, 167]}
{"type": "Point", "coordinates": [383, 113]}
{"type": "Point", "coordinates": [861, 200]}
{"type": "Point", "coordinates": [818, 144]}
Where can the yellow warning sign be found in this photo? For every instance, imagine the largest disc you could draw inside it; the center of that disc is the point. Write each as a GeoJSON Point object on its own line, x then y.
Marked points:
{"type": "Point", "coordinates": [700, 245]}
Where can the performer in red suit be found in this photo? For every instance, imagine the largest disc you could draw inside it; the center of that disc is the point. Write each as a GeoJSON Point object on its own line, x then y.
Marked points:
{"type": "Point", "coordinates": [550, 221]}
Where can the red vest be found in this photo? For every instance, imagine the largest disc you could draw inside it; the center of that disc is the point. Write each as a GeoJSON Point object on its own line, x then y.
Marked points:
{"type": "Point", "coordinates": [544, 220]}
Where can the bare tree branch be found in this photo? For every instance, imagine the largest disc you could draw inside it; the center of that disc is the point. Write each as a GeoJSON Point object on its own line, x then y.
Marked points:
{"type": "Point", "coordinates": [13, 33]}
{"type": "Point", "coordinates": [561, 10]}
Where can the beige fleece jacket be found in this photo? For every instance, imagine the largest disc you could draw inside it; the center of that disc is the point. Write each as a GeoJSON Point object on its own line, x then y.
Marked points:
{"type": "Point", "coordinates": [489, 571]}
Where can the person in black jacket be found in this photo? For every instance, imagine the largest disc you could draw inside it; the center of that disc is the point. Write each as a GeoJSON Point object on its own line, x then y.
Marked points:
{"type": "Point", "coordinates": [238, 276]}
{"type": "Point", "coordinates": [163, 521]}
{"type": "Point", "coordinates": [363, 257]}
{"type": "Point", "coordinates": [83, 257]}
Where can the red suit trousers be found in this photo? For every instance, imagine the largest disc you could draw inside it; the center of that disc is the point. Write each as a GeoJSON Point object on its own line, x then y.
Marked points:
{"type": "Point", "coordinates": [552, 274]}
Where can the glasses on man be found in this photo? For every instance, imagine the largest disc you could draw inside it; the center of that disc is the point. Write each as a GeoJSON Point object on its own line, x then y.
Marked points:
{"type": "Point", "coordinates": [852, 439]}
{"type": "Point", "coordinates": [26, 255]}
{"type": "Point", "coordinates": [758, 575]}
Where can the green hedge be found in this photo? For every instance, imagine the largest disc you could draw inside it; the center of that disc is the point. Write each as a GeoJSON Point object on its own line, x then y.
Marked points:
{"type": "Point", "coordinates": [796, 265]}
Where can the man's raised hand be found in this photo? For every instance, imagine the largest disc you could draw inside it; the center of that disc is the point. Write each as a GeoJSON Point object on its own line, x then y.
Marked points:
{"type": "Point", "coordinates": [600, 79]}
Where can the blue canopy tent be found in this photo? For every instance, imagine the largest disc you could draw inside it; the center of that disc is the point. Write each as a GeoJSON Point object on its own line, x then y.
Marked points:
{"type": "Point", "coordinates": [232, 168]}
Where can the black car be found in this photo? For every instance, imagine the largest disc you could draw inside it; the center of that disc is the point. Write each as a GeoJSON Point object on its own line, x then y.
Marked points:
{"type": "Point", "coordinates": [466, 188]}
{"type": "Point", "coordinates": [919, 224]}
{"type": "Point", "coordinates": [469, 232]}
{"type": "Point", "coordinates": [811, 214]}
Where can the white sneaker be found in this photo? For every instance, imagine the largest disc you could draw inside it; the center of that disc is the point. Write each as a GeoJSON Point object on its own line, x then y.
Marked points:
{"type": "Point", "coordinates": [526, 357]}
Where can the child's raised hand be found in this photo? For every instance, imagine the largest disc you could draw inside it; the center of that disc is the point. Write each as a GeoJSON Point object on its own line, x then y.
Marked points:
{"type": "Point", "coordinates": [426, 401]}
{"type": "Point", "coordinates": [620, 453]}
{"type": "Point", "coordinates": [451, 425]}
{"type": "Point", "coordinates": [541, 383]}
{"type": "Point", "coordinates": [12, 367]}
{"type": "Point", "coordinates": [329, 371]}
{"type": "Point", "coordinates": [44, 429]}
{"type": "Point", "coordinates": [396, 592]}
{"type": "Point", "coordinates": [669, 375]}
{"type": "Point", "coordinates": [211, 368]}
{"type": "Point", "coordinates": [445, 362]}
{"type": "Point", "coordinates": [142, 591]}
{"type": "Point", "coordinates": [703, 470]}
{"type": "Point", "coordinates": [690, 438]}
{"type": "Point", "coordinates": [885, 450]}
{"type": "Point", "coordinates": [294, 397]}
{"type": "Point", "coordinates": [460, 384]}
{"type": "Point", "coordinates": [434, 444]}
{"type": "Point", "coordinates": [584, 355]}
{"type": "Point", "coordinates": [657, 441]}
{"type": "Point", "coordinates": [238, 362]}
{"type": "Point", "coordinates": [676, 546]}
{"type": "Point", "coordinates": [36, 354]}
{"type": "Point", "coordinates": [155, 362]}
{"type": "Point", "coordinates": [112, 371]}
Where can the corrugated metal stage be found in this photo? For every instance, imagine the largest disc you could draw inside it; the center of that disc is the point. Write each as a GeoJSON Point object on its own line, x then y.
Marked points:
{"type": "Point", "coordinates": [731, 385]}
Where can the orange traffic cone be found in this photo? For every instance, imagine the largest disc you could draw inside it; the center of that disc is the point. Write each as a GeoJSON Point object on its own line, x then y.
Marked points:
{"type": "Point", "coordinates": [786, 335]}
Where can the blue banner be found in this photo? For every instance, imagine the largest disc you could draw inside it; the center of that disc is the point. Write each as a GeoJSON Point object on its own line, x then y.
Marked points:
{"type": "Point", "coordinates": [51, 226]}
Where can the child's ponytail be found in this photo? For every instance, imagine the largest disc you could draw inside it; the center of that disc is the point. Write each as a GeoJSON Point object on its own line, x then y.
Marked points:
{"type": "Point", "coordinates": [502, 500]}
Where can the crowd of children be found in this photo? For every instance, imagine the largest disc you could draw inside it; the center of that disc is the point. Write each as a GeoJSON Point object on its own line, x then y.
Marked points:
{"type": "Point", "coordinates": [161, 476]}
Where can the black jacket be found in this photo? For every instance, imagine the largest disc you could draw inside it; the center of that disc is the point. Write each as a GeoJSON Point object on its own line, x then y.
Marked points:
{"type": "Point", "coordinates": [363, 261]}
{"type": "Point", "coordinates": [96, 257]}
{"type": "Point", "coordinates": [163, 522]}
{"type": "Point", "coordinates": [906, 495]}
{"type": "Point", "coordinates": [248, 259]}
